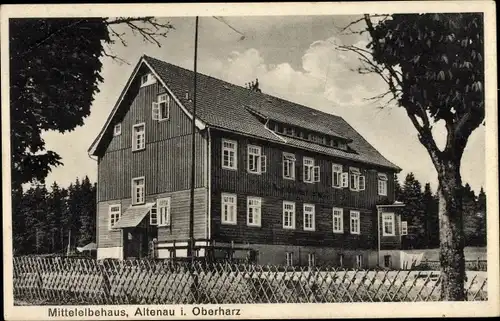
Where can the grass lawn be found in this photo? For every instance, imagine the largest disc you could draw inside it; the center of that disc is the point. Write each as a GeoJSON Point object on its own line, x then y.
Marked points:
{"type": "Point", "coordinates": [470, 252]}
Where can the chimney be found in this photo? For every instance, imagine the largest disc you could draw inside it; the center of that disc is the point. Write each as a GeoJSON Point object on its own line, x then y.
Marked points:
{"type": "Point", "coordinates": [253, 86]}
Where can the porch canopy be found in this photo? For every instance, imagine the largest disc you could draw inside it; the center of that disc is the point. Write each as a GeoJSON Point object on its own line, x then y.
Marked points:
{"type": "Point", "coordinates": [133, 215]}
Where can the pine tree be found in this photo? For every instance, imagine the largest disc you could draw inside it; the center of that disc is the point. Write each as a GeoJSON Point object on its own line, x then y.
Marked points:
{"type": "Point", "coordinates": [412, 197]}
{"type": "Point", "coordinates": [87, 214]}
{"type": "Point", "coordinates": [481, 217]}
{"type": "Point", "coordinates": [57, 203]}
{"type": "Point", "coordinates": [397, 189]}
{"type": "Point", "coordinates": [431, 217]}
{"type": "Point", "coordinates": [71, 222]}
{"type": "Point", "coordinates": [469, 215]}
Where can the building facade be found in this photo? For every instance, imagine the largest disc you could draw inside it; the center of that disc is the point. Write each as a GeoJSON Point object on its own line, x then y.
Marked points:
{"type": "Point", "coordinates": [297, 186]}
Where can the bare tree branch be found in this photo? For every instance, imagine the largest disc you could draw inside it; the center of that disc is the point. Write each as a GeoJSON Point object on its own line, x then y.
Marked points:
{"type": "Point", "coordinates": [148, 27]}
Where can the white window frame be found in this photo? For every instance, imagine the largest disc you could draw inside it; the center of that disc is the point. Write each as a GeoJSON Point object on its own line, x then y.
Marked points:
{"type": "Point", "coordinates": [254, 210]}
{"type": "Point", "coordinates": [404, 228]}
{"type": "Point", "coordinates": [359, 261]}
{"type": "Point", "coordinates": [289, 258]}
{"type": "Point", "coordinates": [355, 216]}
{"type": "Point", "coordinates": [114, 215]}
{"type": "Point", "coordinates": [338, 215]}
{"type": "Point", "coordinates": [307, 211]}
{"type": "Point", "coordinates": [311, 259]}
{"type": "Point", "coordinates": [163, 206]}
{"type": "Point", "coordinates": [389, 218]}
{"type": "Point", "coordinates": [382, 184]}
{"type": "Point", "coordinates": [135, 187]}
{"type": "Point", "coordinates": [290, 212]}
{"type": "Point", "coordinates": [337, 172]}
{"type": "Point", "coordinates": [311, 172]}
{"type": "Point", "coordinates": [229, 220]}
{"type": "Point", "coordinates": [232, 153]}
{"type": "Point", "coordinates": [256, 158]}
{"type": "Point", "coordinates": [157, 113]}
{"type": "Point", "coordinates": [135, 137]}
{"type": "Point", "coordinates": [289, 161]}
{"type": "Point", "coordinates": [354, 175]}
{"type": "Point", "coordinates": [117, 130]}
{"type": "Point", "coordinates": [147, 79]}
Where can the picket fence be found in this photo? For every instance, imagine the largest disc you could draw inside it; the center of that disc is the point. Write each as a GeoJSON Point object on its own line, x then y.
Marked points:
{"type": "Point", "coordinates": [60, 280]}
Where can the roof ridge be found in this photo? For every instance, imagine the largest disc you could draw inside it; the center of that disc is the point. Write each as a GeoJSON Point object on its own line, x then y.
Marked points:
{"type": "Point", "coordinates": [235, 85]}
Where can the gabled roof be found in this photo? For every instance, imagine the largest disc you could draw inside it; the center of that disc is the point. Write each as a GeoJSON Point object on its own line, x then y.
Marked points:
{"type": "Point", "coordinates": [229, 107]}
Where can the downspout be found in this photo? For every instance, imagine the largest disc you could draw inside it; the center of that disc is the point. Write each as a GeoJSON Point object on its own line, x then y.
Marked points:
{"type": "Point", "coordinates": [209, 185]}
{"type": "Point", "coordinates": [378, 236]}
{"type": "Point", "coordinates": [96, 202]}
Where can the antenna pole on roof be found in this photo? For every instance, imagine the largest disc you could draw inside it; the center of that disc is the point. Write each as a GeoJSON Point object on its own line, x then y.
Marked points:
{"type": "Point", "coordinates": [191, 244]}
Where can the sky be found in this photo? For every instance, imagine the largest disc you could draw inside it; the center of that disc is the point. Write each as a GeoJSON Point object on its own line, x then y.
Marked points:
{"type": "Point", "coordinates": [294, 58]}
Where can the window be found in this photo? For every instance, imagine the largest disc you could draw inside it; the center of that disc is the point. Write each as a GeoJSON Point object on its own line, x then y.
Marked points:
{"type": "Point", "coordinates": [254, 205]}
{"type": "Point", "coordinates": [359, 261]}
{"type": "Point", "coordinates": [163, 206]}
{"type": "Point", "coordinates": [138, 137]}
{"type": "Point", "coordinates": [317, 138]}
{"type": "Point", "coordinates": [229, 158]}
{"type": "Point", "coordinates": [138, 190]}
{"type": "Point", "coordinates": [311, 172]}
{"type": "Point", "coordinates": [404, 228]}
{"type": "Point", "coordinates": [114, 214]}
{"type": "Point", "coordinates": [337, 175]}
{"type": "Point", "coordinates": [388, 224]}
{"type": "Point", "coordinates": [355, 222]}
{"type": "Point", "coordinates": [289, 258]}
{"type": "Point", "coordinates": [311, 259]}
{"type": "Point", "coordinates": [338, 220]}
{"type": "Point", "coordinates": [288, 166]}
{"type": "Point", "coordinates": [357, 181]}
{"type": "Point", "coordinates": [382, 184]}
{"type": "Point", "coordinates": [309, 217]}
{"type": "Point", "coordinates": [342, 145]}
{"type": "Point", "coordinates": [387, 261]}
{"type": "Point", "coordinates": [228, 209]}
{"type": "Point", "coordinates": [290, 131]}
{"type": "Point", "coordinates": [117, 130]}
{"type": "Point", "coordinates": [161, 108]}
{"type": "Point", "coordinates": [256, 161]}
{"type": "Point", "coordinates": [288, 215]}
{"type": "Point", "coordinates": [147, 79]}
{"type": "Point", "coordinates": [341, 260]}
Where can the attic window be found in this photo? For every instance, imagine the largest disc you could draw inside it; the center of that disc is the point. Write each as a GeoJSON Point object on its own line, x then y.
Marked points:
{"type": "Point", "coordinates": [117, 130]}
{"type": "Point", "coordinates": [147, 79]}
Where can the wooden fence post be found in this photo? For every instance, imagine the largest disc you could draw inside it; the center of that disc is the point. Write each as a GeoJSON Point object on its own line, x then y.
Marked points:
{"type": "Point", "coordinates": [105, 283]}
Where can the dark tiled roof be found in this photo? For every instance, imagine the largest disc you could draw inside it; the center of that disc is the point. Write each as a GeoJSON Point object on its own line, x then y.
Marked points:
{"type": "Point", "coordinates": [224, 105]}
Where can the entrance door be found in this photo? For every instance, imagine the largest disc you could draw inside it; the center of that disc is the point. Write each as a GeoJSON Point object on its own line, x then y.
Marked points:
{"type": "Point", "coordinates": [135, 243]}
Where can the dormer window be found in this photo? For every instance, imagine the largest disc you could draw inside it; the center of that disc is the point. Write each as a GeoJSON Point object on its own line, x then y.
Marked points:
{"type": "Point", "coordinates": [147, 79]}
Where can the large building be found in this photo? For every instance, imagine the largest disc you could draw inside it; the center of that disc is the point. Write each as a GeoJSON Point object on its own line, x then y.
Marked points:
{"type": "Point", "coordinates": [296, 185]}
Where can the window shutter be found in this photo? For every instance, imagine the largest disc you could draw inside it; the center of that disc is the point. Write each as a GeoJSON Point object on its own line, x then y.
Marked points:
{"type": "Point", "coordinates": [167, 205]}
{"type": "Point", "coordinates": [155, 111]}
{"type": "Point", "coordinates": [345, 179]}
{"type": "Point", "coordinates": [361, 183]}
{"type": "Point", "coordinates": [153, 217]}
{"type": "Point", "coordinates": [316, 174]}
{"type": "Point", "coordinates": [263, 163]}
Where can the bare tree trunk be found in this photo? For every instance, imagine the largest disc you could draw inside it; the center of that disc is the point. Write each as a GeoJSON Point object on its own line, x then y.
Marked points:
{"type": "Point", "coordinates": [451, 232]}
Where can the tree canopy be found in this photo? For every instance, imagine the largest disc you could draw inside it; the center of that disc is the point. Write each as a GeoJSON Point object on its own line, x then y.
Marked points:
{"type": "Point", "coordinates": [433, 65]}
